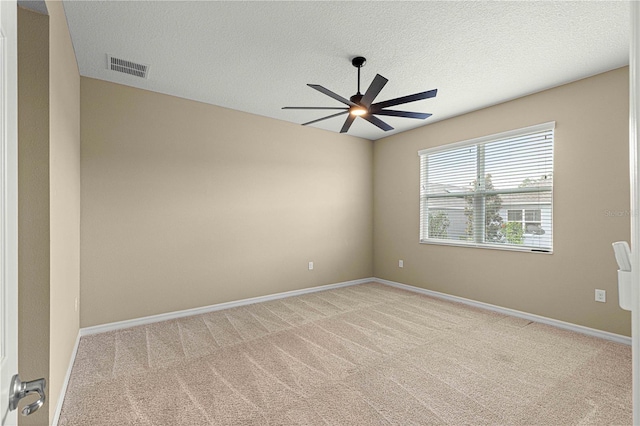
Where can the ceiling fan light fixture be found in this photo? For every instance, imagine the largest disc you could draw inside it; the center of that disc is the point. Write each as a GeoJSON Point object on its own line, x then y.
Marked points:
{"type": "Point", "coordinates": [358, 111]}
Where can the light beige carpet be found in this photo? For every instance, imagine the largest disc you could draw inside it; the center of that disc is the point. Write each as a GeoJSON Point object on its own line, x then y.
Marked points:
{"type": "Point", "coordinates": [362, 355]}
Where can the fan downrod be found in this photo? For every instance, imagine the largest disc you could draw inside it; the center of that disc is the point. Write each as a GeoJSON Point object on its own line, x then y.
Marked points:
{"type": "Point", "coordinates": [358, 62]}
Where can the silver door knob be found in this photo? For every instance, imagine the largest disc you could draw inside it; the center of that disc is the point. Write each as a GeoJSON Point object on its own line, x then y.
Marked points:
{"type": "Point", "coordinates": [21, 389]}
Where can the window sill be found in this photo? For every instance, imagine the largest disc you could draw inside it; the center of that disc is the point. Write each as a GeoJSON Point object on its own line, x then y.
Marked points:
{"type": "Point", "coordinates": [488, 246]}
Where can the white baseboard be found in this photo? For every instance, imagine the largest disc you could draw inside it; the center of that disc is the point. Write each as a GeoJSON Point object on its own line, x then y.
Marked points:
{"type": "Point", "coordinates": [212, 308]}
{"type": "Point", "coordinates": [514, 313]}
{"type": "Point", "coordinates": [65, 384]}
{"type": "Point", "coordinates": [220, 306]}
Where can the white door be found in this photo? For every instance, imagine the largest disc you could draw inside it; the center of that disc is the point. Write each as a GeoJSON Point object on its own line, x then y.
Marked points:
{"type": "Point", "coordinates": [8, 206]}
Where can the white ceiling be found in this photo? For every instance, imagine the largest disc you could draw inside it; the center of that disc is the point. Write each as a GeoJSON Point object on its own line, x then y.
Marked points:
{"type": "Point", "coordinates": [258, 56]}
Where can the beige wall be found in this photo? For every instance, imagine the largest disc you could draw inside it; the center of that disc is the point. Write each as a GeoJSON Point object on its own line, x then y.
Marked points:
{"type": "Point", "coordinates": [64, 172]}
{"type": "Point", "coordinates": [591, 178]}
{"type": "Point", "coordinates": [186, 204]}
{"type": "Point", "coordinates": [49, 201]}
{"type": "Point", "coordinates": [181, 208]}
{"type": "Point", "coordinates": [33, 202]}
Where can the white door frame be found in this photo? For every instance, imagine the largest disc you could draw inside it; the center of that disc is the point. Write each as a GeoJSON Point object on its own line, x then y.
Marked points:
{"type": "Point", "coordinates": [8, 205]}
{"type": "Point", "coordinates": [634, 160]}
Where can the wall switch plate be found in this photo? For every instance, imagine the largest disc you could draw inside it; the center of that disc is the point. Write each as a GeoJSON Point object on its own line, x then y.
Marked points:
{"type": "Point", "coordinates": [400, 263]}
{"type": "Point", "coordinates": [76, 304]}
{"type": "Point", "coordinates": [601, 296]}
{"type": "Point", "coordinates": [310, 266]}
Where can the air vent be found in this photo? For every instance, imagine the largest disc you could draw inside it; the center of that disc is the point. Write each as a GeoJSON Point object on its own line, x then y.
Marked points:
{"type": "Point", "coordinates": [127, 67]}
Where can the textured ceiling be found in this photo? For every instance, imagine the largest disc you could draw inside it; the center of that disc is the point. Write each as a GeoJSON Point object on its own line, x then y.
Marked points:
{"type": "Point", "coordinates": [258, 56]}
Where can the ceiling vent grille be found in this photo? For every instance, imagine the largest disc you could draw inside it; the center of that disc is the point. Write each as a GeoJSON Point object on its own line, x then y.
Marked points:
{"type": "Point", "coordinates": [127, 67]}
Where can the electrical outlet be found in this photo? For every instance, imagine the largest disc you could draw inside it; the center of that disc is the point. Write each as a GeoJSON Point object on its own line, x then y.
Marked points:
{"type": "Point", "coordinates": [310, 266]}
{"type": "Point", "coordinates": [601, 296]}
{"type": "Point", "coordinates": [400, 263]}
{"type": "Point", "coordinates": [76, 304]}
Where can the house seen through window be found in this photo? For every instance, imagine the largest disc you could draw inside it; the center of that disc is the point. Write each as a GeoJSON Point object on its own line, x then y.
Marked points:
{"type": "Point", "coordinates": [494, 191]}
{"type": "Point", "coordinates": [530, 220]}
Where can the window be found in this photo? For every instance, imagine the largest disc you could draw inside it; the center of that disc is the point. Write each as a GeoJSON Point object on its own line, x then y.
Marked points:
{"type": "Point", "coordinates": [495, 191]}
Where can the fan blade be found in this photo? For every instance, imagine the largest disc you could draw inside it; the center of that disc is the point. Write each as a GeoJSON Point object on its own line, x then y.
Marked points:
{"type": "Point", "coordinates": [315, 108]}
{"type": "Point", "coordinates": [325, 118]}
{"type": "Point", "coordinates": [331, 94]}
{"type": "Point", "coordinates": [405, 99]}
{"type": "Point", "coordinates": [347, 123]}
{"type": "Point", "coordinates": [376, 86]}
{"type": "Point", "coordinates": [377, 122]}
{"type": "Point", "coordinates": [406, 114]}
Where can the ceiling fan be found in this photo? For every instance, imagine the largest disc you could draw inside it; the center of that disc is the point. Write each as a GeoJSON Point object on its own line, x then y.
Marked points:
{"type": "Point", "coordinates": [360, 105]}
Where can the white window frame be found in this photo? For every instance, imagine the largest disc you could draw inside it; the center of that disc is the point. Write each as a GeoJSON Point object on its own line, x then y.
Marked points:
{"type": "Point", "coordinates": [480, 142]}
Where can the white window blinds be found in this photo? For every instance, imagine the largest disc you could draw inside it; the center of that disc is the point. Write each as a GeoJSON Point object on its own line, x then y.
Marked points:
{"type": "Point", "coordinates": [495, 191]}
